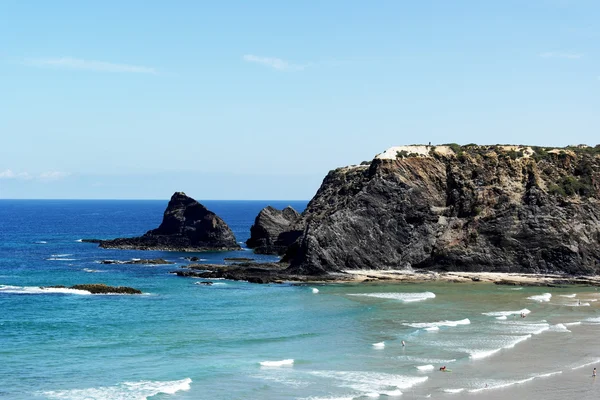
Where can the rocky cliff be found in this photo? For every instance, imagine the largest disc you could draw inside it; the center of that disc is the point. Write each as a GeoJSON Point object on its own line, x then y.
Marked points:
{"type": "Point", "coordinates": [469, 208]}
{"type": "Point", "coordinates": [186, 226]}
{"type": "Point", "coordinates": [272, 231]}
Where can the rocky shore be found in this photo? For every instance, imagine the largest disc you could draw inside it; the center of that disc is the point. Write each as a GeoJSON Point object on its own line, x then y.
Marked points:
{"type": "Point", "coordinates": [279, 273]}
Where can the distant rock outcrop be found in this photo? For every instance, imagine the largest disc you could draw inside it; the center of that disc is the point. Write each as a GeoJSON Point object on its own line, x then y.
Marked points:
{"type": "Point", "coordinates": [100, 288]}
{"type": "Point", "coordinates": [272, 232]}
{"type": "Point", "coordinates": [186, 226]}
{"type": "Point", "coordinates": [457, 208]}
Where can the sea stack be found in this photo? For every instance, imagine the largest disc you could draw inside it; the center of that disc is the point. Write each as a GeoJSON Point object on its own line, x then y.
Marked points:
{"type": "Point", "coordinates": [186, 226]}
{"type": "Point", "coordinates": [272, 232]}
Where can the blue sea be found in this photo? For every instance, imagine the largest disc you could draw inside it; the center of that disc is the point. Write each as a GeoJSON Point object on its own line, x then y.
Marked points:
{"type": "Point", "coordinates": [236, 340]}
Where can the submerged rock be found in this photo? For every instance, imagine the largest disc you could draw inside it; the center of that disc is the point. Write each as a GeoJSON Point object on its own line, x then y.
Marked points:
{"type": "Point", "coordinates": [186, 226]}
{"type": "Point", "coordinates": [272, 232]}
{"type": "Point", "coordinates": [156, 261]}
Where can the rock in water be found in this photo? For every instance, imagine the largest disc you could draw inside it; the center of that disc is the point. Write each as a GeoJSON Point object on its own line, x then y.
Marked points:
{"type": "Point", "coordinates": [272, 232]}
{"type": "Point", "coordinates": [186, 226]}
{"type": "Point", "coordinates": [459, 208]}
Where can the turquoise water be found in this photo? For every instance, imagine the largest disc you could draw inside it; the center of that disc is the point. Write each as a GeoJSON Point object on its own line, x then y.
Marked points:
{"type": "Point", "coordinates": [235, 340]}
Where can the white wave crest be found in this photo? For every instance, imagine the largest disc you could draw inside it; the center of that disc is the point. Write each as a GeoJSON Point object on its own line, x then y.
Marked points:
{"type": "Point", "coordinates": [93, 270]}
{"type": "Point", "coordinates": [60, 259]}
{"type": "Point", "coordinates": [372, 382]}
{"type": "Point", "coordinates": [60, 255]}
{"type": "Point", "coordinates": [541, 297]}
{"type": "Point", "coordinates": [404, 297]}
{"type": "Point", "coordinates": [506, 313]}
{"type": "Point", "coordinates": [572, 323]}
{"type": "Point", "coordinates": [548, 374]}
{"type": "Point", "coordinates": [570, 296]}
{"type": "Point", "coordinates": [559, 328]}
{"type": "Point", "coordinates": [586, 364]}
{"type": "Point", "coordinates": [277, 363]}
{"type": "Point", "coordinates": [315, 290]}
{"type": "Point", "coordinates": [502, 317]}
{"type": "Point", "coordinates": [124, 391]}
{"type": "Point", "coordinates": [438, 324]}
{"type": "Point", "coordinates": [40, 242]}
{"type": "Point", "coordinates": [427, 367]}
{"type": "Point", "coordinates": [79, 240]}
{"type": "Point", "coordinates": [379, 345]}
{"type": "Point", "coordinates": [454, 390]}
{"type": "Point", "coordinates": [40, 290]}
{"type": "Point", "coordinates": [479, 354]}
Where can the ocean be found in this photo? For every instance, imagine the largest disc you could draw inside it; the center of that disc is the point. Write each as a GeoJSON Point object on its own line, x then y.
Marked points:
{"type": "Point", "coordinates": [236, 340]}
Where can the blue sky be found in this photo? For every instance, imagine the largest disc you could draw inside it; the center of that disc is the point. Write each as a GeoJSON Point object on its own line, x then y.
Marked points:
{"type": "Point", "coordinates": [259, 100]}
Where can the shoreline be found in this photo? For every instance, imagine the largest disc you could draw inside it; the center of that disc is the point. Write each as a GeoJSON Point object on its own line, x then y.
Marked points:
{"type": "Point", "coordinates": [499, 278]}
{"type": "Point", "coordinates": [263, 273]}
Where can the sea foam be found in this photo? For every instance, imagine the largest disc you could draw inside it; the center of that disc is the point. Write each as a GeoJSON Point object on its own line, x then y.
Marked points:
{"type": "Point", "coordinates": [277, 363]}
{"type": "Point", "coordinates": [371, 383]}
{"type": "Point", "coordinates": [541, 297]}
{"type": "Point", "coordinates": [123, 391]}
{"type": "Point", "coordinates": [40, 290]}
{"type": "Point", "coordinates": [432, 325]}
{"type": "Point", "coordinates": [404, 297]}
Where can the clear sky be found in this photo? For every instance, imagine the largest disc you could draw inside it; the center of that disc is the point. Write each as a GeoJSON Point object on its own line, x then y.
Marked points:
{"type": "Point", "coordinates": [260, 99]}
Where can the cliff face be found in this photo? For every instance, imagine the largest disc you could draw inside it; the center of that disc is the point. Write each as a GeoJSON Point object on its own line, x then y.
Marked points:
{"type": "Point", "coordinates": [271, 232]}
{"type": "Point", "coordinates": [186, 226]}
{"type": "Point", "coordinates": [475, 208]}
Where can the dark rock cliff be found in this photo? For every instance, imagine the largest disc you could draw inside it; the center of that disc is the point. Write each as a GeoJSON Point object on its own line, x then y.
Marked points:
{"type": "Point", "coordinates": [186, 226]}
{"type": "Point", "coordinates": [469, 208]}
{"type": "Point", "coordinates": [272, 232]}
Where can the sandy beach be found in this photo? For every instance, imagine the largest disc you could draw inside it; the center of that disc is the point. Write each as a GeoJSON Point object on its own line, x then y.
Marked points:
{"type": "Point", "coordinates": [465, 277]}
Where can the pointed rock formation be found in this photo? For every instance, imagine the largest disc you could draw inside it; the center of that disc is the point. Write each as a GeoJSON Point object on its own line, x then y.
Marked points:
{"type": "Point", "coordinates": [186, 226]}
{"type": "Point", "coordinates": [272, 232]}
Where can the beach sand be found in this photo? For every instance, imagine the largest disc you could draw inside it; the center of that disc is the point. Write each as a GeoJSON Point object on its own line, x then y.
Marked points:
{"type": "Point", "coordinates": [517, 279]}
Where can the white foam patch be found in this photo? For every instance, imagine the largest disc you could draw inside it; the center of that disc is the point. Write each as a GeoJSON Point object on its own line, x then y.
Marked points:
{"type": "Point", "coordinates": [40, 290]}
{"type": "Point", "coordinates": [479, 354]}
{"type": "Point", "coordinates": [277, 363]}
{"type": "Point", "coordinates": [379, 345]}
{"type": "Point", "coordinates": [93, 270]}
{"type": "Point", "coordinates": [573, 323]}
{"type": "Point", "coordinates": [559, 328]}
{"type": "Point", "coordinates": [315, 290]}
{"type": "Point", "coordinates": [372, 382]}
{"type": "Point", "coordinates": [452, 391]}
{"type": "Point", "coordinates": [432, 328]}
{"type": "Point", "coordinates": [438, 324]}
{"type": "Point", "coordinates": [570, 296]}
{"type": "Point", "coordinates": [506, 313]}
{"type": "Point", "coordinates": [503, 317]}
{"type": "Point", "coordinates": [79, 240]}
{"type": "Point", "coordinates": [541, 297]}
{"type": "Point", "coordinates": [592, 320]}
{"type": "Point", "coordinates": [125, 391]}
{"type": "Point", "coordinates": [427, 367]}
{"type": "Point", "coordinates": [60, 259]}
{"type": "Point", "coordinates": [40, 242]}
{"type": "Point", "coordinates": [404, 297]}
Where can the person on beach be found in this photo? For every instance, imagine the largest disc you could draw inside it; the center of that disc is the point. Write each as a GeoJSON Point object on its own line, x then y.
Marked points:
{"type": "Point", "coordinates": [594, 373]}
